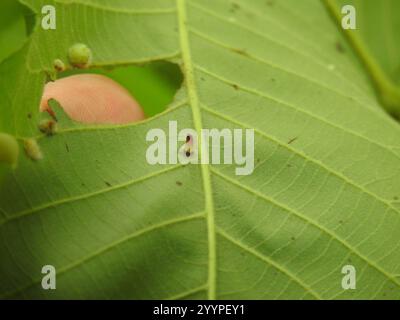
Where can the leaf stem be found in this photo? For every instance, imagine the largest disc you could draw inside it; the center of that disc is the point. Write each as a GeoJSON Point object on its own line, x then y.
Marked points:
{"type": "Point", "coordinates": [388, 92]}
{"type": "Point", "coordinates": [205, 170]}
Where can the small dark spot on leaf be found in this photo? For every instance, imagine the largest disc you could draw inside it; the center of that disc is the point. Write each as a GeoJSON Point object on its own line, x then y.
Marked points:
{"type": "Point", "coordinates": [258, 160]}
{"type": "Point", "coordinates": [340, 221]}
{"type": "Point", "coordinates": [292, 238]}
{"type": "Point", "coordinates": [83, 185]}
{"type": "Point", "coordinates": [240, 51]}
{"type": "Point", "coordinates": [179, 183]}
{"type": "Point", "coordinates": [339, 47]}
{"type": "Point", "coordinates": [29, 115]}
{"type": "Point", "coordinates": [202, 79]}
{"type": "Point", "coordinates": [67, 147]}
{"type": "Point", "coordinates": [107, 184]}
{"type": "Point", "coordinates": [270, 3]}
{"type": "Point", "coordinates": [235, 86]}
{"type": "Point", "coordinates": [292, 140]}
{"type": "Point", "coordinates": [395, 198]}
{"type": "Point", "coordinates": [273, 79]}
{"type": "Point", "coordinates": [289, 165]}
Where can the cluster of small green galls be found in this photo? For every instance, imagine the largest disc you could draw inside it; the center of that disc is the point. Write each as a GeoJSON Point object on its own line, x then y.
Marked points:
{"type": "Point", "coordinates": [79, 56]}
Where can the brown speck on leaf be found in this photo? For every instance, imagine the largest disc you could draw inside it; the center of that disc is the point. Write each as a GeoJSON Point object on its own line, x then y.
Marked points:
{"type": "Point", "coordinates": [67, 147]}
{"type": "Point", "coordinates": [107, 184]}
{"type": "Point", "coordinates": [240, 51]}
{"type": "Point", "coordinates": [235, 86]}
{"type": "Point", "coordinates": [339, 47]}
{"type": "Point", "coordinates": [179, 183]}
{"type": "Point", "coordinates": [29, 115]}
{"type": "Point", "coordinates": [48, 127]}
{"type": "Point", "coordinates": [292, 140]}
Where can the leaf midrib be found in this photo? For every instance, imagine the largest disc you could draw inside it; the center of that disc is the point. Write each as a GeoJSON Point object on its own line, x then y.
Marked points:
{"type": "Point", "coordinates": [190, 82]}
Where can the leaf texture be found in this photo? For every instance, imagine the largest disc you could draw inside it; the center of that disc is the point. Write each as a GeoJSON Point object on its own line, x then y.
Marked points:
{"type": "Point", "coordinates": [324, 193]}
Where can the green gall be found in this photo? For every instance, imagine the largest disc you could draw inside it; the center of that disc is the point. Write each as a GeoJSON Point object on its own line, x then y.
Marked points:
{"type": "Point", "coordinates": [59, 65]}
{"type": "Point", "coordinates": [32, 149]}
{"type": "Point", "coordinates": [80, 56]}
{"type": "Point", "coordinates": [48, 127]}
{"type": "Point", "coordinates": [9, 149]}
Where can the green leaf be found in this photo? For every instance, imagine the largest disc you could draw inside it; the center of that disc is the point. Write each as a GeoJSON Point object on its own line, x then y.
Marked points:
{"type": "Point", "coordinates": [12, 27]}
{"type": "Point", "coordinates": [378, 45]}
{"type": "Point", "coordinates": [324, 193]}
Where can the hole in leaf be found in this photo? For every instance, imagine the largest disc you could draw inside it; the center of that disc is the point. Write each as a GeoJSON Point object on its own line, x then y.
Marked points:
{"type": "Point", "coordinates": [153, 85]}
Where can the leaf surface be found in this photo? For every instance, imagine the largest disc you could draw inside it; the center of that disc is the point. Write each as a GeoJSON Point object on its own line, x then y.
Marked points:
{"type": "Point", "coordinates": [324, 193]}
